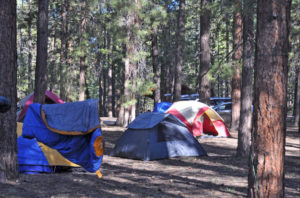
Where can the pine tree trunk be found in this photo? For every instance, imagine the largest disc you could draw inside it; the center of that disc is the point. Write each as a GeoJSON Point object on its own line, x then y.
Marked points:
{"type": "Point", "coordinates": [100, 70]}
{"type": "Point", "coordinates": [156, 69]}
{"type": "Point", "coordinates": [121, 93]}
{"type": "Point", "coordinates": [266, 169]}
{"type": "Point", "coordinates": [297, 99]}
{"type": "Point", "coordinates": [109, 78]}
{"type": "Point", "coordinates": [227, 23]}
{"type": "Point", "coordinates": [244, 133]}
{"type": "Point", "coordinates": [52, 65]}
{"type": "Point", "coordinates": [63, 51]}
{"type": "Point", "coordinates": [113, 84]}
{"type": "Point", "coordinates": [204, 85]}
{"type": "Point", "coordinates": [165, 67]}
{"type": "Point", "coordinates": [42, 53]}
{"type": "Point", "coordinates": [69, 65]}
{"type": "Point", "coordinates": [8, 75]}
{"type": "Point", "coordinates": [179, 50]}
{"type": "Point", "coordinates": [236, 80]}
{"type": "Point", "coordinates": [83, 56]}
{"type": "Point", "coordinates": [29, 64]}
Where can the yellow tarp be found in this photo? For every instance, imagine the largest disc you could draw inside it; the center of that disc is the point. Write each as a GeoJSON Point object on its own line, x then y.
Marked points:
{"type": "Point", "coordinates": [53, 156]}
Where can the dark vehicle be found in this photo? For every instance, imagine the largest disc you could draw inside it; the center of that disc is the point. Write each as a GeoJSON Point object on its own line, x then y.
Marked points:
{"type": "Point", "coordinates": [218, 100]}
{"type": "Point", "coordinates": [223, 107]}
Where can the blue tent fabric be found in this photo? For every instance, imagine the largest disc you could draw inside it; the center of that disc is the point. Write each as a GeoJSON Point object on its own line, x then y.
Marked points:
{"type": "Point", "coordinates": [82, 116]}
{"type": "Point", "coordinates": [162, 107]}
{"type": "Point", "coordinates": [79, 149]}
{"type": "Point", "coordinates": [31, 158]}
{"type": "Point", "coordinates": [155, 135]}
{"type": "Point", "coordinates": [148, 120]}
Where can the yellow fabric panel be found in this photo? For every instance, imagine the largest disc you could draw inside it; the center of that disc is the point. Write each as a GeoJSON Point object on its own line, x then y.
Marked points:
{"type": "Point", "coordinates": [54, 157]}
{"type": "Point", "coordinates": [19, 128]}
{"type": "Point", "coordinates": [213, 115]}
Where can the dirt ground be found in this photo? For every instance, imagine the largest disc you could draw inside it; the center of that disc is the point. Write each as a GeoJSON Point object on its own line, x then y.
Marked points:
{"type": "Point", "coordinates": [220, 174]}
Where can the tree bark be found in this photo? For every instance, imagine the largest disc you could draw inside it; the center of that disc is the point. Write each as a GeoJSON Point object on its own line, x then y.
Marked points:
{"type": "Point", "coordinates": [156, 69]}
{"type": "Point", "coordinates": [52, 65]}
{"type": "Point", "coordinates": [236, 80]}
{"type": "Point", "coordinates": [8, 75]}
{"type": "Point", "coordinates": [113, 83]}
{"type": "Point", "coordinates": [179, 50]}
{"type": "Point", "coordinates": [42, 53]}
{"type": "Point", "coordinates": [83, 56]}
{"type": "Point", "coordinates": [109, 78]}
{"type": "Point", "coordinates": [297, 98]}
{"type": "Point", "coordinates": [63, 50]}
{"type": "Point", "coordinates": [29, 64]}
{"type": "Point", "coordinates": [266, 169]}
{"type": "Point", "coordinates": [245, 125]}
{"type": "Point", "coordinates": [204, 84]}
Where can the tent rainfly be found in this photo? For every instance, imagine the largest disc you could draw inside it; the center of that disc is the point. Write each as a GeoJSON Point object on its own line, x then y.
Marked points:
{"type": "Point", "coordinates": [50, 98]}
{"type": "Point", "coordinates": [199, 118]}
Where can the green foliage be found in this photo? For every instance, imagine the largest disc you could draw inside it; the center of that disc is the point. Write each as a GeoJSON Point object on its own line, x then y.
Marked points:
{"type": "Point", "coordinates": [107, 20]}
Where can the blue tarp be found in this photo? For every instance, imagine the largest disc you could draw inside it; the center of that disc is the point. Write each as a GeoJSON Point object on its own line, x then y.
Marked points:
{"type": "Point", "coordinates": [162, 107]}
{"type": "Point", "coordinates": [79, 149]}
{"type": "Point", "coordinates": [31, 158]}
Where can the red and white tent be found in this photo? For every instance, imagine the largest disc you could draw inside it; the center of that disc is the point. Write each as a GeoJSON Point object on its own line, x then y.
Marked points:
{"type": "Point", "coordinates": [199, 118]}
{"type": "Point", "coordinates": [23, 105]}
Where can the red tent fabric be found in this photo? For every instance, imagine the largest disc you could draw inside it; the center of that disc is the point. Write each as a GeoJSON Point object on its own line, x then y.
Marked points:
{"type": "Point", "coordinates": [199, 118]}
{"type": "Point", "coordinates": [50, 97]}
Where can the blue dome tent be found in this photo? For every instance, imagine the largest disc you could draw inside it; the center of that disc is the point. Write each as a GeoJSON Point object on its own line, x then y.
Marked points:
{"type": "Point", "coordinates": [156, 135]}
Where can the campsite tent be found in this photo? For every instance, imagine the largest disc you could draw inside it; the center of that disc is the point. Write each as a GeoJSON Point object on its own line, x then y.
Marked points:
{"type": "Point", "coordinates": [50, 98]}
{"type": "Point", "coordinates": [162, 107]}
{"type": "Point", "coordinates": [156, 135]}
{"type": "Point", "coordinates": [73, 129]}
{"type": "Point", "coordinates": [36, 157]}
{"type": "Point", "coordinates": [199, 118]}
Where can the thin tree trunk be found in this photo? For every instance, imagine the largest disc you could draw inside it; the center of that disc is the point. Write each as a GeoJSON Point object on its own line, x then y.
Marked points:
{"type": "Point", "coordinates": [29, 64]}
{"type": "Point", "coordinates": [156, 69]}
{"type": "Point", "coordinates": [165, 67]}
{"type": "Point", "coordinates": [179, 50]}
{"type": "Point", "coordinates": [8, 83]}
{"type": "Point", "coordinates": [109, 78]}
{"type": "Point", "coordinates": [227, 23]}
{"type": "Point", "coordinates": [204, 85]}
{"type": "Point", "coordinates": [104, 90]}
{"type": "Point", "coordinates": [42, 53]}
{"type": "Point", "coordinates": [121, 93]}
{"type": "Point", "coordinates": [63, 51]}
{"type": "Point", "coordinates": [244, 133]}
{"type": "Point", "coordinates": [297, 99]}
{"type": "Point", "coordinates": [52, 68]}
{"type": "Point", "coordinates": [266, 169]}
{"type": "Point", "coordinates": [100, 70]}
{"type": "Point", "coordinates": [69, 65]}
{"type": "Point", "coordinates": [113, 84]}
{"type": "Point", "coordinates": [236, 80]}
{"type": "Point", "coordinates": [83, 56]}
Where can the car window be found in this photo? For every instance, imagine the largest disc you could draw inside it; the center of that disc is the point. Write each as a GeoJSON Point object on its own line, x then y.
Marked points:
{"type": "Point", "coordinates": [221, 107]}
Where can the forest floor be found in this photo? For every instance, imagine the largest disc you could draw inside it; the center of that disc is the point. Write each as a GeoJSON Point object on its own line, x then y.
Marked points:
{"type": "Point", "coordinates": [220, 174]}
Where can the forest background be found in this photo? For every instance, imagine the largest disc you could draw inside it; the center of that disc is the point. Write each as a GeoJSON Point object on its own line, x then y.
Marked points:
{"type": "Point", "coordinates": [89, 57]}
